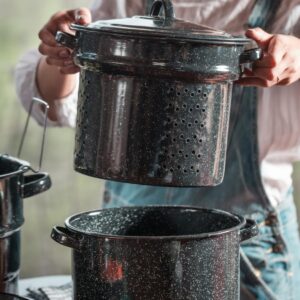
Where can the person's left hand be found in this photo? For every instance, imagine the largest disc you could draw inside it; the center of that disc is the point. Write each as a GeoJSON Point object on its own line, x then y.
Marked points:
{"type": "Point", "coordinates": [280, 64]}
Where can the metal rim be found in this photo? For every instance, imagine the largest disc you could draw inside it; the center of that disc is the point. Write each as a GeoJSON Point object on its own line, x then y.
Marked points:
{"type": "Point", "coordinates": [138, 33]}
{"type": "Point", "coordinates": [24, 166]}
{"type": "Point", "coordinates": [241, 220]}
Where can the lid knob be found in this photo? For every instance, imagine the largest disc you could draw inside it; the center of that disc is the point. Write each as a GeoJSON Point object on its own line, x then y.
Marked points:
{"type": "Point", "coordinates": [166, 5]}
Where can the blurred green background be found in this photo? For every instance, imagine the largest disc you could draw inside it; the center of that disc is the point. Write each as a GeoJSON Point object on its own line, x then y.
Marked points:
{"type": "Point", "coordinates": [71, 192]}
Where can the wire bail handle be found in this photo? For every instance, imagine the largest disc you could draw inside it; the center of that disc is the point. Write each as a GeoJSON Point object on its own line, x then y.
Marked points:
{"type": "Point", "coordinates": [46, 106]}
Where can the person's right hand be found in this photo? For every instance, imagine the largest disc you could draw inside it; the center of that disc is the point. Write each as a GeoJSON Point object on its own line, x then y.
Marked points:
{"type": "Point", "coordinates": [56, 55]}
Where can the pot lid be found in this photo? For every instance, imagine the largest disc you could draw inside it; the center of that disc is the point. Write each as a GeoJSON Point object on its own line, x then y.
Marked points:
{"type": "Point", "coordinates": [163, 25]}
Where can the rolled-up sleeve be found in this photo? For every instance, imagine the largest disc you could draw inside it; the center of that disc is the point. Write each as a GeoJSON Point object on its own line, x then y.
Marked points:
{"type": "Point", "coordinates": [25, 82]}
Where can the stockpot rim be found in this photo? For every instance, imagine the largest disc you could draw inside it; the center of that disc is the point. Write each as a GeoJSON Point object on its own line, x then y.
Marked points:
{"type": "Point", "coordinates": [242, 223]}
{"type": "Point", "coordinates": [24, 166]}
{"type": "Point", "coordinates": [214, 41]}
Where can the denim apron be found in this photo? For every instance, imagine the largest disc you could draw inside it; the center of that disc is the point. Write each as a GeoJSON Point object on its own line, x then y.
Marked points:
{"type": "Point", "coordinates": [270, 263]}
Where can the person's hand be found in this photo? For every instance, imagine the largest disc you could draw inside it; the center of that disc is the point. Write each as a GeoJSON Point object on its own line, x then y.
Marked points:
{"type": "Point", "coordinates": [280, 64]}
{"type": "Point", "coordinates": [57, 55]}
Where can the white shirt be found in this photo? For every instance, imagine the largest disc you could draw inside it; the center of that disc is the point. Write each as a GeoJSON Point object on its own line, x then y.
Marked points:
{"type": "Point", "coordinates": [278, 107]}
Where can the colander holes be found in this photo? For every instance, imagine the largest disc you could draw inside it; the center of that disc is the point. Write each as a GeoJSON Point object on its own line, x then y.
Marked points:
{"type": "Point", "coordinates": [194, 152]}
{"type": "Point", "coordinates": [199, 155]}
{"type": "Point", "coordinates": [171, 89]}
{"type": "Point", "coordinates": [200, 140]}
{"type": "Point", "coordinates": [167, 135]}
{"type": "Point", "coordinates": [194, 136]}
{"type": "Point", "coordinates": [199, 91]}
{"type": "Point", "coordinates": [184, 170]}
{"type": "Point", "coordinates": [188, 140]}
{"type": "Point", "coordinates": [196, 121]}
{"type": "Point", "coordinates": [174, 140]}
{"type": "Point", "coordinates": [184, 105]}
{"type": "Point", "coordinates": [190, 125]}
{"type": "Point", "coordinates": [192, 94]}
{"type": "Point", "coordinates": [180, 152]}
{"type": "Point", "coordinates": [191, 109]}
{"type": "Point", "coordinates": [177, 109]}
{"type": "Point", "coordinates": [197, 106]}
{"type": "Point", "coordinates": [164, 166]}
{"type": "Point", "coordinates": [197, 171]}
{"type": "Point", "coordinates": [171, 170]}
{"type": "Point", "coordinates": [178, 167]}
{"type": "Point", "coordinates": [203, 109]}
{"type": "Point", "coordinates": [202, 125]}
{"type": "Point", "coordinates": [170, 104]}
{"type": "Point", "coordinates": [204, 95]}
{"type": "Point", "coordinates": [186, 90]}
{"type": "Point", "coordinates": [181, 136]}
{"type": "Point", "coordinates": [192, 168]}
{"type": "Point", "coordinates": [186, 155]}
{"type": "Point", "coordinates": [178, 94]}
{"type": "Point", "coordinates": [169, 120]}
{"type": "Point", "coordinates": [182, 121]}
{"type": "Point", "coordinates": [175, 124]}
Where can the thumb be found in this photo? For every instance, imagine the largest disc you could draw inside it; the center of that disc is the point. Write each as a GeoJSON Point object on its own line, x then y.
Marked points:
{"type": "Point", "coordinates": [83, 16]}
{"type": "Point", "coordinates": [261, 37]}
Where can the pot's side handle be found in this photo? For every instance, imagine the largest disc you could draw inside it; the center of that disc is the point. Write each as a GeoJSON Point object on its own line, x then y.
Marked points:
{"type": "Point", "coordinates": [249, 230]}
{"type": "Point", "coordinates": [35, 184]}
{"type": "Point", "coordinates": [66, 39]}
{"type": "Point", "coordinates": [251, 55]}
{"type": "Point", "coordinates": [65, 237]}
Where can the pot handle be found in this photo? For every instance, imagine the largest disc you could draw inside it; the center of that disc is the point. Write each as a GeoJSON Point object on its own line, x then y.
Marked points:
{"type": "Point", "coordinates": [65, 237]}
{"type": "Point", "coordinates": [251, 55]}
{"type": "Point", "coordinates": [249, 230]}
{"type": "Point", "coordinates": [66, 39]}
{"type": "Point", "coordinates": [35, 184]}
{"type": "Point", "coordinates": [167, 6]}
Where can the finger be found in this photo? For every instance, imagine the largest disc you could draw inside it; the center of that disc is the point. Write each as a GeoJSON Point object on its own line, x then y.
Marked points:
{"type": "Point", "coordinates": [54, 52]}
{"type": "Point", "coordinates": [59, 62]}
{"type": "Point", "coordinates": [255, 81]}
{"type": "Point", "coordinates": [272, 74]}
{"type": "Point", "coordinates": [266, 62]}
{"type": "Point", "coordinates": [47, 37]}
{"type": "Point", "coordinates": [82, 16]}
{"type": "Point", "coordinates": [70, 70]}
{"type": "Point", "coordinates": [261, 37]}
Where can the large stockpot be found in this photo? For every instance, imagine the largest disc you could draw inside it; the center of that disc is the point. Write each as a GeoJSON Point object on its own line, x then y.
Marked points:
{"type": "Point", "coordinates": [155, 252]}
{"type": "Point", "coordinates": [14, 186]}
{"type": "Point", "coordinates": [154, 98]}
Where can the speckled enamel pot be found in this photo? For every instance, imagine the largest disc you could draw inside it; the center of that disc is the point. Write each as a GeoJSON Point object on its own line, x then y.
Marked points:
{"type": "Point", "coordinates": [154, 98]}
{"type": "Point", "coordinates": [155, 252]}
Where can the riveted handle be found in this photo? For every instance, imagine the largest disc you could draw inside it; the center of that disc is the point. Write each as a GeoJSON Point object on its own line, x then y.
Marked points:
{"type": "Point", "coordinates": [35, 184]}
{"type": "Point", "coordinates": [167, 5]}
{"type": "Point", "coordinates": [251, 55]}
{"type": "Point", "coordinates": [66, 39]}
{"type": "Point", "coordinates": [67, 238]}
{"type": "Point", "coordinates": [249, 230]}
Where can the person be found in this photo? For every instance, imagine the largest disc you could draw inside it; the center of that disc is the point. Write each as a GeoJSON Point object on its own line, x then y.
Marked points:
{"type": "Point", "coordinates": [264, 135]}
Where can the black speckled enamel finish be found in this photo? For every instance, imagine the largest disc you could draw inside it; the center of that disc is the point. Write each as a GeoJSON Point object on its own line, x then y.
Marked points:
{"type": "Point", "coordinates": [14, 186]}
{"type": "Point", "coordinates": [154, 98]}
{"type": "Point", "coordinates": [154, 110]}
{"type": "Point", "coordinates": [167, 253]}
